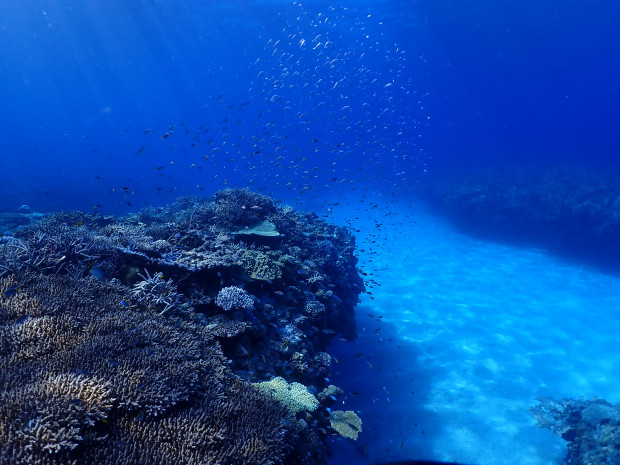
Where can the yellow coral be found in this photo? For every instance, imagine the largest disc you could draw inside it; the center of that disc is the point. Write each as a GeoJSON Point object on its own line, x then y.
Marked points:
{"type": "Point", "coordinates": [295, 396]}
{"type": "Point", "coordinates": [261, 266]}
{"type": "Point", "coordinates": [347, 424]}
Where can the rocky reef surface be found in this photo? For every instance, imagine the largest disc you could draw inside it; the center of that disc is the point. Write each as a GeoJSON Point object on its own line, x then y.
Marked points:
{"type": "Point", "coordinates": [571, 211]}
{"type": "Point", "coordinates": [188, 334]}
{"type": "Point", "coordinates": [591, 428]}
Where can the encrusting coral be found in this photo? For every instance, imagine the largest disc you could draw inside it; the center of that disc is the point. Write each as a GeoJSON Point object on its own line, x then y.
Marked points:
{"type": "Point", "coordinates": [295, 396]}
{"type": "Point", "coordinates": [348, 424]}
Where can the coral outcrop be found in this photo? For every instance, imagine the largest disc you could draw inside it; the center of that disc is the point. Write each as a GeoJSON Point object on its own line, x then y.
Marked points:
{"type": "Point", "coordinates": [590, 427]}
{"type": "Point", "coordinates": [571, 211]}
{"type": "Point", "coordinates": [146, 339]}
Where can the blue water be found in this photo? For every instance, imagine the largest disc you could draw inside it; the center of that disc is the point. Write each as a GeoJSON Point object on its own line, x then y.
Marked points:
{"type": "Point", "coordinates": [344, 108]}
{"type": "Point", "coordinates": [464, 335]}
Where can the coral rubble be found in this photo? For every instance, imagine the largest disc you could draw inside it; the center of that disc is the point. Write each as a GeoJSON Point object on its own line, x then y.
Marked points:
{"type": "Point", "coordinates": [170, 337]}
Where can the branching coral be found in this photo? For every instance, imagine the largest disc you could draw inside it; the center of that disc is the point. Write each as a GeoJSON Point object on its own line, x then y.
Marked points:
{"type": "Point", "coordinates": [234, 297]}
{"type": "Point", "coordinates": [155, 292]}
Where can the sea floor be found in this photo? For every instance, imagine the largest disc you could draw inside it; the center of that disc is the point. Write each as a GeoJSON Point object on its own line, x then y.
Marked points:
{"type": "Point", "coordinates": [460, 336]}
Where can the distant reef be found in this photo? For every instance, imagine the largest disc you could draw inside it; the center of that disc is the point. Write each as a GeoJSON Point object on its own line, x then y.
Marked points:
{"type": "Point", "coordinates": [590, 427]}
{"type": "Point", "coordinates": [188, 334]}
{"type": "Point", "coordinates": [568, 210]}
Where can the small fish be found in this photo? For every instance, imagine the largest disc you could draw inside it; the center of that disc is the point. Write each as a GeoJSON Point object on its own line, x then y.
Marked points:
{"type": "Point", "coordinates": [284, 344]}
{"type": "Point", "coordinates": [96, 272]}
{"type": "Point", "coordinates": [401, 444]}
{"type": "Point", "coordinates": [358, 355]}
{"type": "Point", "coordinates": [79, 371]}
{"type": "Point", "coordinates": [140, 386]}
{"type": "Point", "coordinates": [22, 319]}
{"type": "Point", "coordinates": [280, 293]}
{"type": "Point", "coordinates": [124, 304]}
{"type": "Point", "coordinates": [140, 417]}
{"type": "Point", "coordinates": [75, 401]}
{"type": "Point", "coordinates": [11, 291]}
{"type": "Point", "coordinates": [113, 363]}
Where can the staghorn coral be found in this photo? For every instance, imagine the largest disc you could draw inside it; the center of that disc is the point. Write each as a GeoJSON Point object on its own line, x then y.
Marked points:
{"type": "Point", "coordinates": [347, 424]}
{"type": "Point", "coordinates": [57, 412]}
{"type": "Point", "coordinates": [155, 292]}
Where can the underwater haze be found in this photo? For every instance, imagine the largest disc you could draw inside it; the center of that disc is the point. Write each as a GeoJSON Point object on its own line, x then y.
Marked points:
{"type": "Point", "coordinates": [472, 149]}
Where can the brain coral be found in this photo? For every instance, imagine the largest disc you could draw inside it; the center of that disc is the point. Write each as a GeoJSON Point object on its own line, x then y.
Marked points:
{"type": "Point", "coordinates": [295, 396]}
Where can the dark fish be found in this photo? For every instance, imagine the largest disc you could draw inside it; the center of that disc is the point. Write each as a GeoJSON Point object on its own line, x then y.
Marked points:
{"type": "Point", "coordinates": [96, 272]}
{"type": "Point", "coordinates": [140, 386]}
{"type": "Point", "coordinates": [11, 291]}
{"type": "Point", "coordinates": [75, 401]}
{"type": "Point", "coordinates": [140, 151]}
{"type": "Point", "coordinates": [140, 417]}
{"type": "Point", "coordinates": [22, 319]}
{"type": "Point", "coordinates": [284, 344]}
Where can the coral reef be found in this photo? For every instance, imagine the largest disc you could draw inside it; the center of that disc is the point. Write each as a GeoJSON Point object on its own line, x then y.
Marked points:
{"type": "Point", "coordinates": [150, 338]}
{"type": "Point", "coordinates": [591, 428]}
{"type": "Point", "coordinates": [568, 210]}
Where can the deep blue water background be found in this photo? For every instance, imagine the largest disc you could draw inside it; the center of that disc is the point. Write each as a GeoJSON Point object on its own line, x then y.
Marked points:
{"type": "Point", "coordinates": [483, 82]}
{"type": "Point", "coordinates": [111, 105]}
